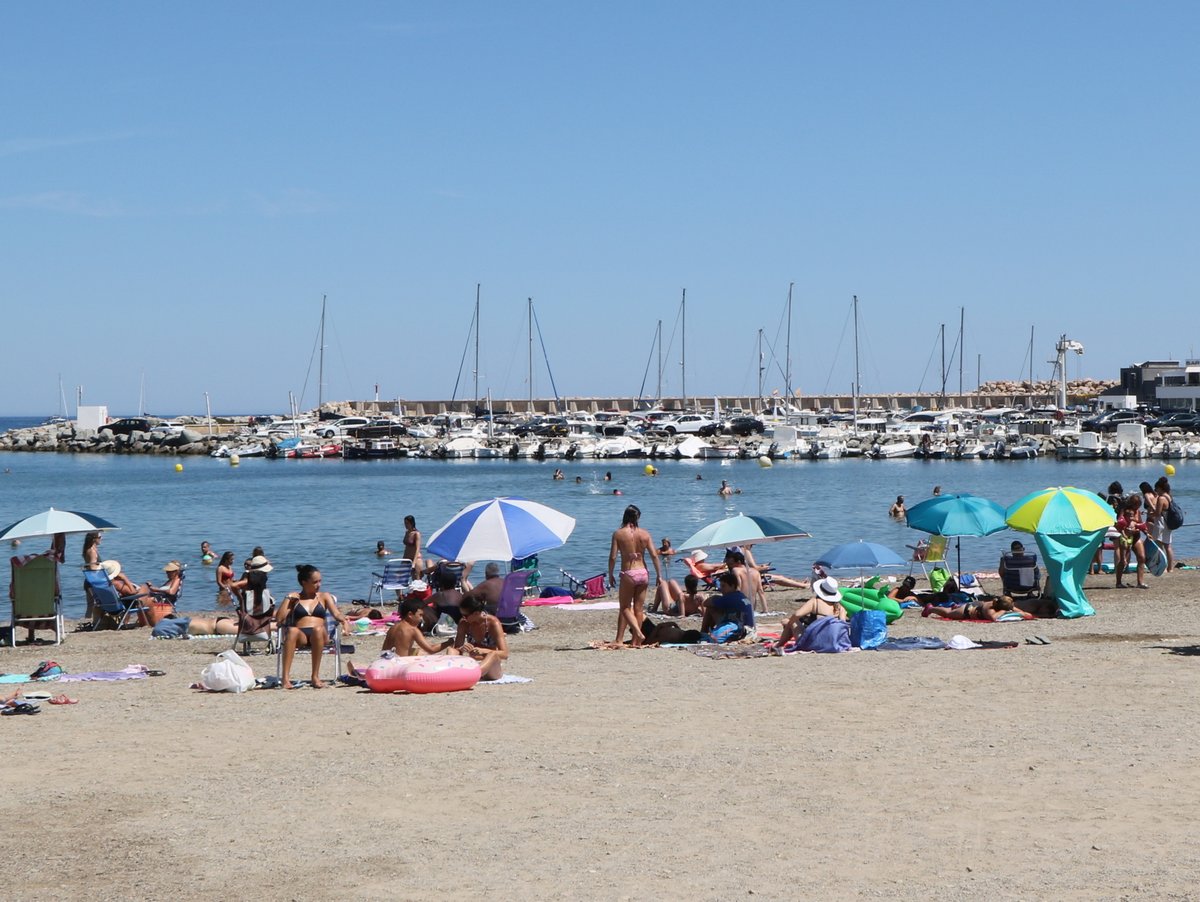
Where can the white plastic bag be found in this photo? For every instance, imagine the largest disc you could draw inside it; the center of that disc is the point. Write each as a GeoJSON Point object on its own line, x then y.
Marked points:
{"type": "Point", "coordinates": [229, 673]}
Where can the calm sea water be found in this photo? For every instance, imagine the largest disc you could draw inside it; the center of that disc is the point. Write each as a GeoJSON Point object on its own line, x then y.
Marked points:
{"type": "Point", "coordinates": [330, 512]}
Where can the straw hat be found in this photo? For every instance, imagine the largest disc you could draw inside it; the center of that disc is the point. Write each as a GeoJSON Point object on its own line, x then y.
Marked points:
{"type": "Point", "coordinates": [171, 566]}
{"type": "Point", "coordinates": [827, 589]}
{"type": "Point", "coordinates": [112, 568]}
{"type": "Point", "coordinates": [259, 562]}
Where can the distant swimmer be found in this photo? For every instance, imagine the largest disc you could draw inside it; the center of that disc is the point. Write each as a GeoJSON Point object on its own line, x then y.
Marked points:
{"type": "Point", "coordinates": [558, 474]}
{"type": "Point", "coordinates": [608, 476]}
{"type": "Point", "coordinates": [699, 477]}
{"type": "Point", "coordinates": [896, 512]}
{"type": "Point", "coordinates": [206, 553]}
{"type": "Point", "coordinates": [578, 480]}
{"type": "Point", "coordinates": [725, 490]}
{"type": "Point", "coordinates": [616, 491]}
{"type": "Point", "coordinates": [381, 549]}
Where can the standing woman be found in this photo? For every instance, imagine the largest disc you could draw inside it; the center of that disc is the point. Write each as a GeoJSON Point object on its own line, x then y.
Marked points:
{"type": "Point", "coordinates": [302, 618]}
{"type": "Point", "coordinates": [412, 545]}
{"type": "Point", "coordinates": [633, 544]}
{"type": "Point", "coordinates": [227, 592]}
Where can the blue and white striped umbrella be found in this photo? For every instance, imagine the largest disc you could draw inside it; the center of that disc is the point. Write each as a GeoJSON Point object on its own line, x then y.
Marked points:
{"type": "Point", "coordinates": [501, 529]}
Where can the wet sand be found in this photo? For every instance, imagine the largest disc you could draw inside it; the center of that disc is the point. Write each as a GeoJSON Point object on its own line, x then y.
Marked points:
{"type": "Point", "coordinates": [1064, 771]}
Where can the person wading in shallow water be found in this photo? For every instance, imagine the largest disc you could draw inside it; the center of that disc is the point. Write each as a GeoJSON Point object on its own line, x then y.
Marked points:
{"type": "Point", "coordinates": [632, 543]}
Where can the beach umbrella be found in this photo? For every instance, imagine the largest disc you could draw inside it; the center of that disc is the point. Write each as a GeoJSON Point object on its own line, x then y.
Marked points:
{"type": "Point", "coordinates": [501, 529]}
{"type": "Point", "coordinates": [743, 530]}
{"type": "Point", "coordinates": [52, 522]}
{"type": "Point", "coordinates": [1060, 511]}
{"type": "Point", "coordinates": [957, 515]}
{"type": "Point", "coordinates": [1068, 525]}
{"type": "Point", "coordinates": [859, 556]}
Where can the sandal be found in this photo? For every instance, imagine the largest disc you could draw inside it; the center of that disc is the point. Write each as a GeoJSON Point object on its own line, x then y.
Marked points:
{"type": "Point", "coordinates": [63, 700]}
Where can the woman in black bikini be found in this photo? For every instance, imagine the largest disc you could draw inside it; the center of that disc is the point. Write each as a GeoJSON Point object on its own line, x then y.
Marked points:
{"type": "Point", "coordinates": [302, 615]}
{"type": "Point", "coordinates": [480, 636]}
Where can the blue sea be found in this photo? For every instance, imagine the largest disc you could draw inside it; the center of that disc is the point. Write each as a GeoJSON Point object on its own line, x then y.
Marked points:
{"type": "Point", "coordinates": [331, 512]}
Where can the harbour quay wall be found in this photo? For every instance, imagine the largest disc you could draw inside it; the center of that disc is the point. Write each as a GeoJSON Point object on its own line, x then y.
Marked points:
{"type": "Point", "coordinates": [842, 403]}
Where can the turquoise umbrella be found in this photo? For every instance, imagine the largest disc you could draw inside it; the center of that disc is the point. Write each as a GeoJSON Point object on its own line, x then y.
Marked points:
{"type": "Point", "coordinates": [743, 530]}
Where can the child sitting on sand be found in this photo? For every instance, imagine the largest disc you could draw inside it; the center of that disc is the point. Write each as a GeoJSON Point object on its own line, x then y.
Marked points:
{"type": "Point", "coordinates": [405, 638]}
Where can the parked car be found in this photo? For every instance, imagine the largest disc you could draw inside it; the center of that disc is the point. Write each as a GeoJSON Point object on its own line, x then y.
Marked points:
{"type": "Point", "coordinates": [745, 426]}
{"type": "Point", "coordinates": [686, 423]}
{"type": "Point", "coordinates": [127, 425]}
{"type": "Point", "coordinates": [167, 427]}
{"type": "Point", "coordinates": [1111, 419]}
{"type": "Point", "coordinates": [341, 427]}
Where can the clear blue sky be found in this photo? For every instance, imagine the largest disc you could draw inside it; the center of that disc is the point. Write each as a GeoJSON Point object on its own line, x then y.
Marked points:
{"type": "Point", "coordinates": [181, 183]}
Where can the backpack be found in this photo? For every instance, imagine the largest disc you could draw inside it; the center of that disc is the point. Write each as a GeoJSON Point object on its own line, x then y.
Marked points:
{"type": "Point", "coordinates": [1174, 515]}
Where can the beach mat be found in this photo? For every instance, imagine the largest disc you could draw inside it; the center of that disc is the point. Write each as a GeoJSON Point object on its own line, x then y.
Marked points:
{"type": "Point", "coordinates": [590, 606]}
{"type": "Point", "coordinates": [505, 680]}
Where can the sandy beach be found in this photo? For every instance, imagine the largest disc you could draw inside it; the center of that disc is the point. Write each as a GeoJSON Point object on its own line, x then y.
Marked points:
{"type": "Point", "coordinates": [1057, 771]}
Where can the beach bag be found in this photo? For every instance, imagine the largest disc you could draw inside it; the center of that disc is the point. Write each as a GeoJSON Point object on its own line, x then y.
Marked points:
{"type": "Point", "coordinates": [229, 673]}
{"type": "Point", "coordinates": [726, 632]}
{"type": "Point", "coordinates": [1174, 515]}
{"type": "Point", "coordinates": [937, 578]}
{"type": "Point", "coordinates": [827, 635]}
{"type": "Point", "coordinates": [868, 628]}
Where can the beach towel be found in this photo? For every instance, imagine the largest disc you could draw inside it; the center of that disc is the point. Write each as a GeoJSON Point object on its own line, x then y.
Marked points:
{"type": "Point", "coordinates": [718, 652]}
{"type": "Point", "coordinates": [26, 678]}
{"type": "Point", "coordinates": [911, 643]}
{"type": "Point", "coordinates": [591, 606]}
{"type": "Point", "coordinates": [561, 600]}
{"type": "Point", "coordinates": [132, 672]}
{"type": "Point", "coordinates": [505, 680]}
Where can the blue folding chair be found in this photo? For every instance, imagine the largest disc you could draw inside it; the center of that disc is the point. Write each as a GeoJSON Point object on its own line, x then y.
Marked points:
{"type": "Point", "coordinates": [508, 609]}
{"type": "Point", "coordinates": [107, 601]}
{"type": "Point", "coordinates": [396, 577]}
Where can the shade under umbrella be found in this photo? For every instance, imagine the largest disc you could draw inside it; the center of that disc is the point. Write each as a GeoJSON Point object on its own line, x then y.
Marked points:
{"type": "Point", "coordinates": [957, 515]}
{"type": "Point", "coordinates": [743, 530]}
{"type": "Point", "coordinates": [52, 522]}
{"type": "Point", "coordinates": [501, 529]}
{"type": "Point", "coordinates": [859, 555]}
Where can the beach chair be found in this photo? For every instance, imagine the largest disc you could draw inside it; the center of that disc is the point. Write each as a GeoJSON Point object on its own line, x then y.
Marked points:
{"type": "Point", "coordinates": [1020, 574]}
{"type": "Point", "coordinates": [708, 580]}
{"type": "Point", "coordinates": [928, 551]}
{"type": "Point", "coordinates": [107, 602]}
{"type": "Point", "coordinates": [592, 587]}
{"type": "Point", "coordinates": [529, 564]}
{"type": "Point", "coordinates": [255, 620]}
{"type": "Point", "coordinates": [36, 601]}
{"type": "Point", "coordinates": [508, 609]}
{"type": "Point", "coordinates": [451, 574]}
{"type": "Point", "coordinates": [332, 649]}
{"type": "Point", "coordinates": [396, 577]}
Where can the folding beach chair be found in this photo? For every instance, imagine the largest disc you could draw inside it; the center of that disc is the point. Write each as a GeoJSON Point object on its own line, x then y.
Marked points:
{"type": "Point", "coordinates": [592, 587]}
{"type": "Point", "coordinates": [450, 574]}
{"type": "Point", "coordinates": [529, 564]}
{"type": "Point", "coordinates": [931, 551]}
{"type": "Point", "coordinates": [36, 601]}
{"type": "Point", "coordinates": [508, 610]}
{"type": "Point", "coordinates": [396, 577]}
{"type": "Point", "coordinates": [708, 580]}
{"type": "Point", "coordinates": [332, 649]}
{"type": "Point", "coordinates": [1020, 574]}
{"type": "Point", "coordinates": [255, 618]}
{"type": "Point", "coordinates": [106, 601]}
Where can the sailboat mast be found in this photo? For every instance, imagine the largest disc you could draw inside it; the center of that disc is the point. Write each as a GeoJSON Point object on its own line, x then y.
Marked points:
{"type": "Point", "coordinates": [787, 377]}
{"type": "Point", "coordinates": [760, 367]}
{"type": "Point", "coordinates": [530, 312]}
{"type": "Point", "coordinates": [321, 363]}
{"type": "Point", "coordinates": [658, 342]}
{"type": "Point", "coordinates": [962, 315]}
{"type": "Point", "coordinates": [943, 335]}
{"type": "Point", "coordinates": [683, 362]}
{"type": "Point", "coordinates": [1029, 404]}
{"type": "Point", "coordinates": [856, 371]}
{"type": "Point", "coordinates": [477, 346]}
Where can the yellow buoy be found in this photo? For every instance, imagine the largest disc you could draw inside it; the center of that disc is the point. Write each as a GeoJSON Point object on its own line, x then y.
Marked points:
{"type": "Point", "coordinates": [649, 469]}
{"type": "Point", "coordinates": [1169, 469]}
{"type": "Point", "coordinates": [234, 460]}
{"type": "Point", "coordinates": [764, 461]}
{"type": "Point", "coordinates": [178, 468]}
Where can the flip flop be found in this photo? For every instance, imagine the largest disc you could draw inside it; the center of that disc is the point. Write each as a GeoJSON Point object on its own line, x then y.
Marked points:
{"type": "Point", "coordinates": [1037, 640]}
{"type": "Point", "coordinates": [37, 696]}
{"type": "Point", "coordinates": [21, 708]}
{"type": "Point", "coordinates": [63, 700]}
{"type": "Point", "coordinates": [157, 672]}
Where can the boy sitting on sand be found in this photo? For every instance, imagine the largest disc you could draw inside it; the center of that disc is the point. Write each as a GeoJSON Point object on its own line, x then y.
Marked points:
{"type": "Point", "coordinates": [405, 638]}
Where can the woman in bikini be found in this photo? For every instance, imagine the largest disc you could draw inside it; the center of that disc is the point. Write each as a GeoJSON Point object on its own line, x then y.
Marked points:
{"type": "Point", "coordinates": [1129, 543]}
{"type": "Point", "coordinates": [633, 544]}
{"type": "Point", "coordinates": [302, 616]}
{"type": "Point", "coordinates": [226, 591]}
{"type": "Point", "coordinates": [412, 546]}
{"type": "Point", "coordinates": [991, 609]}
{"type": "Point", "coordinates": [480, 636]}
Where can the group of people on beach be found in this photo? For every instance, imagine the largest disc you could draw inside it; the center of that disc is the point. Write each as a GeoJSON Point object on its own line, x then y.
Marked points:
{"type": "Point", "coordinates": [1140, 515]}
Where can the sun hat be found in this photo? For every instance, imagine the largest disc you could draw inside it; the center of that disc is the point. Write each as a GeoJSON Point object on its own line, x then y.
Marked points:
{"type": "Point", "coordinates": [259, 562]}
{"type": "Point", "coordinates": [112, 568]}
{"type": "Point", "coordinates": [827, 589]}
{"type": "Point", "coordinates": [172, 565]}
{"type": "Point", "coordinates": [699, 555]}
{"type": "Point", "coordinates": [960, 643]}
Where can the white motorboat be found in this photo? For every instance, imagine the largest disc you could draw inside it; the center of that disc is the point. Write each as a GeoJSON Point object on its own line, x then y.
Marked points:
{"type": "Point", "coordinates": [892, 449]}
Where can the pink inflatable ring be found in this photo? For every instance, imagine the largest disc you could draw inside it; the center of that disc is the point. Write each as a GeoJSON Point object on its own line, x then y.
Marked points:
{"type": "Point", "coordinates": [434, 673]}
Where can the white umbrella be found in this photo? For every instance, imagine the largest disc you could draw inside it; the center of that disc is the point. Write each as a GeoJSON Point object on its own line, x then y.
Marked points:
{"type": "Point", "coordinates": [52, 522]}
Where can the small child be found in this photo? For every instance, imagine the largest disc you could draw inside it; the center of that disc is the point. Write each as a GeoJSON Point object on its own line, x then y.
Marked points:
{"type": "Point", "coordinates": [404, 638]}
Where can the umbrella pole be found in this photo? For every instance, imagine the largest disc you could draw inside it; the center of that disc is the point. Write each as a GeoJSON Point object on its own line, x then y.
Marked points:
{"type": "Point", "coordinates": [958, 545]}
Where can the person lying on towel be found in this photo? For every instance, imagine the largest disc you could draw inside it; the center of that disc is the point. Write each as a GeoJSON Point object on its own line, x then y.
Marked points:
{"type": "Point", "coordinates": [989, 609]}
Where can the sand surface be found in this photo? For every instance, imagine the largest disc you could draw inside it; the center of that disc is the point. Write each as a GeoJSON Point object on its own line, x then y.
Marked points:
{"type": "Point", "coordinates": [1065, 771]}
